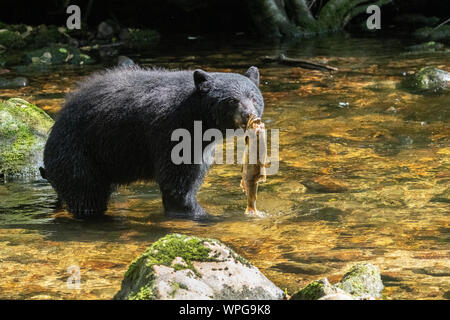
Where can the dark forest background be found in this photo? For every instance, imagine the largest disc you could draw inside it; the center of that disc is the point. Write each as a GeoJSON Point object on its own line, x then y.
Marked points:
{"type": "Point", "coordinates": [251, 17]}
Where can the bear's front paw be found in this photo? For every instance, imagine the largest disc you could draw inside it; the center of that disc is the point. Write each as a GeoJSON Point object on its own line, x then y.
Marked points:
{"type": "Point", "coordinates": [201, 215]}
{"type": "Point", "coordinates": [197, 214]}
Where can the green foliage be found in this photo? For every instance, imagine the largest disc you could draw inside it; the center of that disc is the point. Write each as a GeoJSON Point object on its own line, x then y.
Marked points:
{"type": "Point", "coordinates": [43, 36]}
{"type": "Point", "coordinates": [11, 40]}
{"type": "Point", "coordinates": [54, 55]}
{"type": "Point", "coordinates": [23, 128]}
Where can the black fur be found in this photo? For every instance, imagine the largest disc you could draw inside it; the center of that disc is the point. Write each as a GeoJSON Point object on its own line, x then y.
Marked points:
{"type": "Point", "coordinates": [116, 128]}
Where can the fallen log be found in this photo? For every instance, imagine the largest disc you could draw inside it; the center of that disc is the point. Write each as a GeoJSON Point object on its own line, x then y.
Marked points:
{"type": "Point", "coordinates": [282, 59]}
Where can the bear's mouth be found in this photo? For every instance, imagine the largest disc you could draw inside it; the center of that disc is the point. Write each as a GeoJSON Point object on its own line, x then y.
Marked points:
{"type": "Point", "coordinates": [241, 121]}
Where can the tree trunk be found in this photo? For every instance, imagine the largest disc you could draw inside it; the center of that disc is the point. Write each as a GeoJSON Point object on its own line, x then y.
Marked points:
{"type": "Point", "coordinates": [278, 19]}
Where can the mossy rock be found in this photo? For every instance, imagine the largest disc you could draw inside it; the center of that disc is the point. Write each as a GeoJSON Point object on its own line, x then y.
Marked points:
{"type": "Point", "coordinates": [187, 267]}
{"type": "Point", "coordinates": [23, 131]}
{"type": "Point", "coordinates": [430, 46]}
{"type": "Point", "coordinates": [43, 36]}
{"type": "Point", "coordinates": [441, 33]}
{"type": "Point", "coordinates": [142, 39]}
{"type": "Point", "coordinates": [315, 290]}
{"type": "Point", "coordinates": [11, 39]}
{"type": "Point", "coordinates": [363, 280]}
{"type": "Point", "coordinates": [55, 55]}
{"type": "Point", "coordinates": [428, 79]}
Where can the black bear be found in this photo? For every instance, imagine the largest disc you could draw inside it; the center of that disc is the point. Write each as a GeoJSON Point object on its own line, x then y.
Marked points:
{"type": "Point", "coordinates": [116, 129]}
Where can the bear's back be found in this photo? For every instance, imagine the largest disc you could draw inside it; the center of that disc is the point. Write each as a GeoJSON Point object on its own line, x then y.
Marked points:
{"type": "Point", "coordinates": [129, 89]}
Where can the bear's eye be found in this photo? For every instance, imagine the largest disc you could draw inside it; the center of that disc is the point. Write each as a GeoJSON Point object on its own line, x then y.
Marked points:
{"type": "Point", "coordinates": [231, 100]}
{"type": "Point", "coordinates": [255, 100]}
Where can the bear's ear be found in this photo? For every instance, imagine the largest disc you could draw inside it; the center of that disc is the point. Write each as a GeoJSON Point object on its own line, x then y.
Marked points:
{"type": "Point", "coordinates": [201, 80]}
{"type": "Point", "coordinates": [253, 74]}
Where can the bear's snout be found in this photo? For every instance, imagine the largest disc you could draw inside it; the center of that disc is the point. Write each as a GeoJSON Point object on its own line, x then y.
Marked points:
{"type": "Point", "coordinates": [243, 112]}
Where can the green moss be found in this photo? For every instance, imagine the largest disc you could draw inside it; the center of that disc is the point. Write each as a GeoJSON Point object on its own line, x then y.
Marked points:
{"type": "Point", "coordinates": [428, 80]}
{"type": "Point", "coordinates": [54, 55]}
{"type": "Point", "coordinates": [23, 131]}
{"type": "Point", "coordinates": [145, 293]}
{"type": "Point", "coordinates": [10, 39]}
{"type": "Point", "coordinates": [190, 249]}
{"type": "Point", "coordinates": [312, 291]}
{"type": "Point", "coordinates": [43, 36]}
{"type": "Point", "coordinates": [163, 252]}
{"type": "Point", "coordinates": [362, 280]}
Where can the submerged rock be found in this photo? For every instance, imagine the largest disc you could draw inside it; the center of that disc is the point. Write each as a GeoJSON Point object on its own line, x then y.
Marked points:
{"type": "Point", "coordinates": [442, 197]}
{"type": "Point", "coordinates": [23, 132]}
{"type": "Point", "coordinates": [186, 267]}
{"type": "Point", "coordinates": [429, 79]}
{"type": "Point", "coordinates": [17, 82]}
{"type": "Point", "coordinates": [362, 281]}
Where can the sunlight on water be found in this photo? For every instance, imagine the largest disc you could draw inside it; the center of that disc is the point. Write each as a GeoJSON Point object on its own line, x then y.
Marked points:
{"type": "Point", "coordinates": [364, 176]}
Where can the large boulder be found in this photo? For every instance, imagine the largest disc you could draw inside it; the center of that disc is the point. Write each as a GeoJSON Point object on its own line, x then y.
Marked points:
{"type": "Point", "coordinates": [186, 267]}
{"type": "Point", "coordinates": [23, 132]}
{"type": "Point", "coordinates": [362, 281]}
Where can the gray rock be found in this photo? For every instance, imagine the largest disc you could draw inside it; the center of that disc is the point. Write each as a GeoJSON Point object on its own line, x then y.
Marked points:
{"type": "Point", "coordinates": [124, 61]}
{"type": "Point", "coordinates": [429, 79]}
{"type": "Point", "coordinates": [186, 267]}
{"type": "Point", "coordinates": [361, 282]}
{"type": "Point", "coordinates": [105, 30]}
{"type": "Point", "coordinates": [17, 82]}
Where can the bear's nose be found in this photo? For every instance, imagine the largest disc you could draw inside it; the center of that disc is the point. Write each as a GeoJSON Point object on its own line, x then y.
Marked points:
{"type": "Point", "coordinates": [247, 109]}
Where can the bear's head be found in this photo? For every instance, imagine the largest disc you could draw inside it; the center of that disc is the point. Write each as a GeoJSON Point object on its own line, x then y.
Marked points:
{"type": "Point", "coordinates": [231, 98]}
